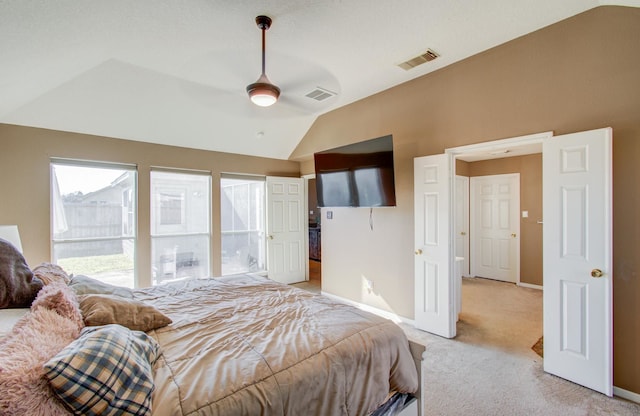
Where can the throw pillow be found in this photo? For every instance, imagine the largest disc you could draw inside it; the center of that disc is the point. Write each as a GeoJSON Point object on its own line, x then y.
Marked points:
{"type": "Point", "coordinates": [36, 338]}
{"type": "Point", "coordinates": [106, 371]}
{"type": "Point", "coordinates": [18, 288]}
{"type": "Point", "coordinates": [84, 285]}
{"type": "Point", "coordinates": [109, 309]}
{"type": "Point", "coordinates": [49, 273]}
{"type": "Point", "coordinates": [62, 299]}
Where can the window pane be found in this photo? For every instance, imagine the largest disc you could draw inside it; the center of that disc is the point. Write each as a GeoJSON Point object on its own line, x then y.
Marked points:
{"type": "Point", "coordinates": [179, 203]}
{"type": "Point", "coordinates": [226, 209]}
{"type": "Point", "coordinates": [180, 230]}
{"type": "Point", "coordinates": [110, 261]}
{"type": "Point", "coordinates": [93, 220]}
{"type": "Point", "coordinates": [177, 258]}
{"type": "Point", "coordinates": [243, 244]}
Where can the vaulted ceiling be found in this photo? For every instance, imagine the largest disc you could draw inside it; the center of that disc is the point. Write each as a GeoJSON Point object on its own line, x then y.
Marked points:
{"type": "Point", "coordinates": [175, 72]}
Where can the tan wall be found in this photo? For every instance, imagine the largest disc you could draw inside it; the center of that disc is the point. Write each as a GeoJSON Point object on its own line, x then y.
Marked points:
{"type": "Point", "coordinates": [576, 75]}
{"type": "Point", "coordinates": [24, 182]}
{"type": "Point", "coordinates": [530, 169]}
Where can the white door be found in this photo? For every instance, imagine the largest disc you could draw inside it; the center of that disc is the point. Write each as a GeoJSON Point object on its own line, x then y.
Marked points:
{"type": "Point", "coordinates": [285, 229]}
{"type": "Point", "coordinates": [577, 258]}
{"type": "Point", "coordinates": [462, 223]}
{"type": "Point", "coordinates": [434, 289]}
{"type": "Point", "coordinates": [495, 227]}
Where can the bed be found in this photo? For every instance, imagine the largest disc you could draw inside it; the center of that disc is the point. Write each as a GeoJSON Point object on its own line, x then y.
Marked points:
{"type": "Point", "coordinates": [237, 345]}
{"type": "Point", "coordinates": [274, 349]}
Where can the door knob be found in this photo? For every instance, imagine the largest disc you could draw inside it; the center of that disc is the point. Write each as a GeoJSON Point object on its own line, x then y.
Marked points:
{"type": "Point", "coordinates": [513, 235]}
{"type": "Point", "coordinates": [419, 251]}
{"type": "Point", "coordinates": [270, 237]}
{"type": "Point", "coordinates": [463, 233]}
{"type": "Point", "coordinates": [596, 273]}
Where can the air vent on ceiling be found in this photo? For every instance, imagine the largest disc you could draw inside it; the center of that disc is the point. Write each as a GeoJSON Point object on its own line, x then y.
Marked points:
{"type": "Point", "coordinates": [429, 55]}
{"type": "Point", "coordinates": [320, 94]}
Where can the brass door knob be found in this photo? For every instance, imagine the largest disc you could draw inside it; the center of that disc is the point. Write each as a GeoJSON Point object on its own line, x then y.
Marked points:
{"type": "Point", "coordinates": [419, 251]}
{"type": "Point", "coordinates": [463, 233]}
{"type": "Point", "coordinates": [596, 273]}
{"type": "Point", "coordinates": [270, 237]}
{"type": "Point", "coordinates": [513, 235]}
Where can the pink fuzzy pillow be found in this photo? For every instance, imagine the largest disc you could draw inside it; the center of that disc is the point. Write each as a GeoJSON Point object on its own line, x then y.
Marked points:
{"type": "Point", "coordinates": [59, 297]}
{"type": "Point", "coordinates": [37, 337]}
{"type": "Point", "coordinates": [49, 273]}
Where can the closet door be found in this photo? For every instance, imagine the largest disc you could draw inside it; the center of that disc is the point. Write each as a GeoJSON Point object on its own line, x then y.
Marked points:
{"type": "Point", "coordinates": [495, 227]}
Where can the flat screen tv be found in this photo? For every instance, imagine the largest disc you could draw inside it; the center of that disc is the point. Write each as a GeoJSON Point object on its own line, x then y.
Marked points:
{"type": "Point", "coordinates": [356, 175]}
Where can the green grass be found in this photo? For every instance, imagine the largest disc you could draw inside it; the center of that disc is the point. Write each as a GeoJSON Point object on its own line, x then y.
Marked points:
{"type": "Point", "coordinates": [96, 264]}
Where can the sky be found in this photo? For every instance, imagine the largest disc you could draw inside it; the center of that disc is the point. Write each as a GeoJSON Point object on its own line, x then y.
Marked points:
{"type": "Point", "coordinates": [83, 179]}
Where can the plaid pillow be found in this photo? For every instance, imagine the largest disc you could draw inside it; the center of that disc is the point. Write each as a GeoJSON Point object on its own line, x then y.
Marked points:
{"type": "Point", "coordinates": [106, 371]}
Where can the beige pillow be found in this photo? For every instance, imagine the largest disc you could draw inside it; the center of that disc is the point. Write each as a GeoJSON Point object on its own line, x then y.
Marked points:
{"type": "Point", "coordinates": [99, 309]}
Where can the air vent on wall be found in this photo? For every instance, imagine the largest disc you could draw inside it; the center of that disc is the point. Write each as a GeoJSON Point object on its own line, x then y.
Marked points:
{"type": "Point", "coordinates": [429, 55]}
{"type": "Point", "coordinates": [320, 94]}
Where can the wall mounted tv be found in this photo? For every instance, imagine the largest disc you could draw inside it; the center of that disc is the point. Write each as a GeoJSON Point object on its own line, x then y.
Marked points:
{"type": "Point", "coordinates": [356, 175]}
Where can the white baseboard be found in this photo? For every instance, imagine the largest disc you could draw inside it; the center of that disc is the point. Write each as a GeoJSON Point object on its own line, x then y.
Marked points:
{"type": "Point", "coordinates": [529, 285]}
{"type": "Point", "coordinates": [380, 312]}
{"type": "Point", "coordinates": [626, 394]}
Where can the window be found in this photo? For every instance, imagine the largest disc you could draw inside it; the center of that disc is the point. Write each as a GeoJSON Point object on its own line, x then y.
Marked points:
{"type": "Point", "coordinates": [180, 225]}
{"type": "Point", "coordinates": [243, 225]}
{"type": "Point", "coordinates": [93, 220]}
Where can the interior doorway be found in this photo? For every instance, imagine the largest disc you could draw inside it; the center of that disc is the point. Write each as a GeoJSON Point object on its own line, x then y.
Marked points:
{"type": "Point", "coordinates": [502, 199]}
{"type": "Point", "coordinates": [577, 203]}
{"type": "Point", "coordinates": [518, 224]}
{"type": "Point", "coordinates": [315, 234]}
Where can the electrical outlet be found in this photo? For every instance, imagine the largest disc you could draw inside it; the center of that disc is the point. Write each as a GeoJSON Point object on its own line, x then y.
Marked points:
{"type": "Point", "coordinates": [369, 285]}
{"type": "Point", "coordinates": [329, 215]}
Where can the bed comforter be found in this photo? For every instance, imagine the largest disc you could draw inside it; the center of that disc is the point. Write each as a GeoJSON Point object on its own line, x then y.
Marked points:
{"type": "Point", "coordinates": [245, 345]}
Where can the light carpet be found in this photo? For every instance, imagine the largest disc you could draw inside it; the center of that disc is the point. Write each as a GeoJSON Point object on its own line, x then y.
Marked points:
{"type": "Point", "coordinates": [490, 368]}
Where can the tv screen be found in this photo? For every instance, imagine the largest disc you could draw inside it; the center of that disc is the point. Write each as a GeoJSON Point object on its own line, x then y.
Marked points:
{"type": "Point", "coordinates": [356, 175]}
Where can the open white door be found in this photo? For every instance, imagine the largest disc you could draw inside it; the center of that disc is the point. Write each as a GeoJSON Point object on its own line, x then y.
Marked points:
{"type": "Point", "coordinates": [577, 258]}
{"type": "Point", "coordinates": [285, 229]}
{"type": "Point", "coordinates": [434, 290]}
{"type": "Point", "coordinates": [462, 223]}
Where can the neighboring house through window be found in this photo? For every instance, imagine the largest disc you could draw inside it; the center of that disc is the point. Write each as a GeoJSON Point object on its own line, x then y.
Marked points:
{"type": "Point", "coordinates": [93, 219]}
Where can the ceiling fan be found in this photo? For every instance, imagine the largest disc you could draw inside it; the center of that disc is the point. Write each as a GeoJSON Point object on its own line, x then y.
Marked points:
{"type": "Point", "coordinates": [263, 92]}
{"type": "Point", "coordinates": [304, 87]}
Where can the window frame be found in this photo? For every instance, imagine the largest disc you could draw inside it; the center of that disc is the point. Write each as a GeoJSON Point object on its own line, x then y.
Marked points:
{"type": "Point", "coordinates": [131, 214]}
{"type": "Point", "coordinates": [178, 230]}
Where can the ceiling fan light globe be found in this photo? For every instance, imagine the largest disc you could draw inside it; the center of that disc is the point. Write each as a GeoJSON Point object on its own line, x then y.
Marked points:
{"type": "Point", "coordinates": [263, 94]}
{"type": "Point", "coordinates": [263, 100]}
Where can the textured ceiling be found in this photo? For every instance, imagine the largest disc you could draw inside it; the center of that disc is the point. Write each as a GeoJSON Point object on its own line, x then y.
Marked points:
{"type": "Point", "coordinates": [175, 72]}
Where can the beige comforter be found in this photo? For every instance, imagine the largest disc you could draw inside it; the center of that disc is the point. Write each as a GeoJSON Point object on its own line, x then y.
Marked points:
{"type": "Point", "coordinates": [246, 345]}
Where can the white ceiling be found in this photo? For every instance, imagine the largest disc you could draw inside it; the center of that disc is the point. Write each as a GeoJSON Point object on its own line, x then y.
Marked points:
{"type": "Point", "coordinates": [175, 72]}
